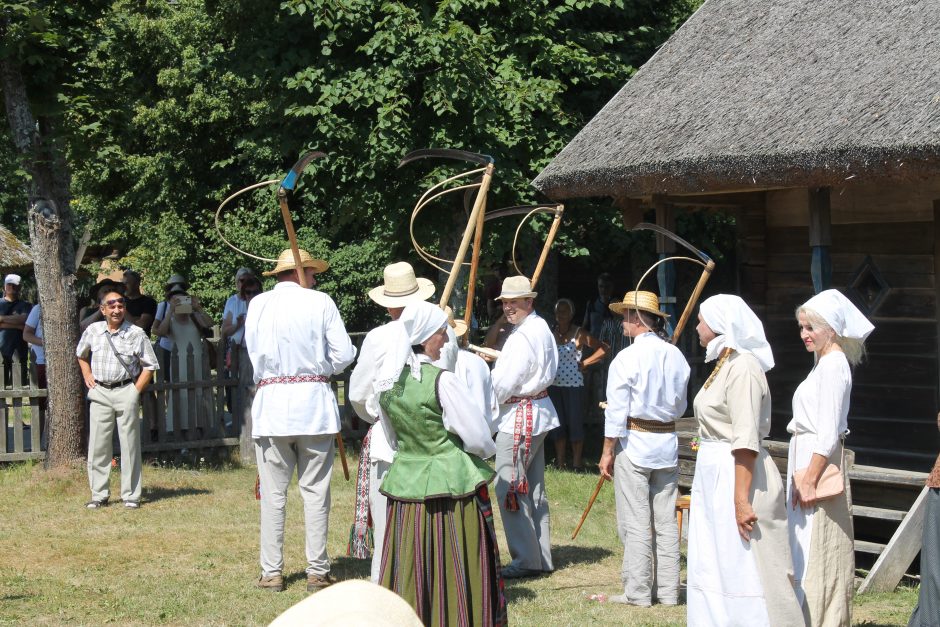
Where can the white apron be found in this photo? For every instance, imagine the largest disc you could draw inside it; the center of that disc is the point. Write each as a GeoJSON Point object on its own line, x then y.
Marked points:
{"type": "Point", "coordinates": [731, 595]}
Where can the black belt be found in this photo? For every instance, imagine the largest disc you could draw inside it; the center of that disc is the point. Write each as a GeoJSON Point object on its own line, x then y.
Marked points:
{"type": "Point", "coordinates": [112, 386]}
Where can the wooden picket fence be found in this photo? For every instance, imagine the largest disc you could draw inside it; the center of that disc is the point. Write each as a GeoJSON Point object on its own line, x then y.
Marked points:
{"type": "Point", "coordinates": [216, 408]}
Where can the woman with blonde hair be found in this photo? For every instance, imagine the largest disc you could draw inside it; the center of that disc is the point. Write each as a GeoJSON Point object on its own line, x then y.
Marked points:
{"type": "Point", "coordinates": [818, 517]}
{"type": "Point", "coordinates": [739, 568]}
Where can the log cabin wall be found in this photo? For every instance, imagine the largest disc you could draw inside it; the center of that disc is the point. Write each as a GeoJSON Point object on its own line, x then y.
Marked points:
{"type": "Point", "coordinates": [884, 257]}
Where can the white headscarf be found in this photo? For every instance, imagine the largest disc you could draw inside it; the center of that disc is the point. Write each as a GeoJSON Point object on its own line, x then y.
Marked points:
{"type": "Point", "coordinates": [737, 327]}
{"type": "Point", "coordinates": [418, 322]}
{"type": "Point", "coordinates": [840, 314]}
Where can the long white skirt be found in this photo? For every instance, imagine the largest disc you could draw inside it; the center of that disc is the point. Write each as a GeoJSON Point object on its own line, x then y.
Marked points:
{"type": "Point", "coordinates": [799, 520]}
{"type": "Point", "coordinates": [724, 586]}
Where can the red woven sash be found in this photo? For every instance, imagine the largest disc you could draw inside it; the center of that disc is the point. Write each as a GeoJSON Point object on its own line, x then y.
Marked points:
{"type": "Point", "coordinates": [521, 430]}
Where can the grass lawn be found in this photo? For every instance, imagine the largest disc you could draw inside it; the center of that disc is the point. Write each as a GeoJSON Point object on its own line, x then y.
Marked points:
{"type": "Point", "coordinates": [190, 555]}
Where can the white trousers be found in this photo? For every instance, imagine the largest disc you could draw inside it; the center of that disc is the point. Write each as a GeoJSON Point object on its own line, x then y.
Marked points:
{"type": "Point", "coordinates": [646, 523]}
{"type": "Point", "coordinates": [312, 456]}
{"type": "Point", "coordinates": [377, 508]}
{"type": "Point", "coordinates": [109, 407]}
{"type": "Point", "coordinates": [528, 529]}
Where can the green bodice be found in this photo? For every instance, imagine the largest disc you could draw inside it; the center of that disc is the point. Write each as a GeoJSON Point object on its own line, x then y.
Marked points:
{"type": "Point", "coordinates": [430, 461]}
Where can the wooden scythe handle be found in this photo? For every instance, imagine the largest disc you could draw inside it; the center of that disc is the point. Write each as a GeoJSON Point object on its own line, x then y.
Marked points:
{"type": "Point", "coordinates": [548, 245]}
{"type": "Point", "coordinates": [693, 299]}
{"type": "Point", "coordinates": [474, 264]}
{"type": "Point", "coordinates": [465, 240]}
{"type": "Point", "coordinates": [587, 510]}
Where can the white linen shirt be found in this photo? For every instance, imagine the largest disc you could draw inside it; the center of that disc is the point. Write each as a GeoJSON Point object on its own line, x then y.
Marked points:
{"type": "Point", "coordinates": [234, 307]}
{"type": "Point", "coordinates": [459, 417]}
{"type": "Point", "coordinates": [649, 380]}
{"type": "Point", "coordinates": [527, 365]}
{"type": "Point", "coordinates": [473, 371]}
{"type": "Point", "coordinates": [821, 402]}
{"type": "Point", "coordinates": [293, 331]}
{"type": "Point", "coordinates": [34, 319]}
{"type": "Point", "coordinates": [362, 395]}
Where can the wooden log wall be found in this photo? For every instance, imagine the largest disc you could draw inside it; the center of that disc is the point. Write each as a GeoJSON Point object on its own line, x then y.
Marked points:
{"type": "Point", "coordinates": [890, 258]}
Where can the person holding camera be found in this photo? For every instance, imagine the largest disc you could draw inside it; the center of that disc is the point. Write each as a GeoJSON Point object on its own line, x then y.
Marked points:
{"type": "Point", "coordinates": [183, 321]}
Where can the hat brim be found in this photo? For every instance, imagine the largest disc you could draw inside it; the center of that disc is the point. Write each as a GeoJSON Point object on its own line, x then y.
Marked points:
{"type": "Point", "coordinates": [460, 328]}
{"type": "Point", "coordinates": [511, 296]}
{"type": "Point", "coordinates": [425, 291]}
{"type": "Point", "coordinates": [318, 266]}
{"type": "Point", "coordinates": [619, 308]}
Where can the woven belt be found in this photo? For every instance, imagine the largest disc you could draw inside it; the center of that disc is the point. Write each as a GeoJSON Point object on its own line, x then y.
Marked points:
{"type": "Point", "coordinates": [650, 426]}
{"type": "Point", "coordinates": [299, 378]}
{"type": "Point", "coordinates": [534, 397]}
{"type": "Point", "coordinates": [114, 386]}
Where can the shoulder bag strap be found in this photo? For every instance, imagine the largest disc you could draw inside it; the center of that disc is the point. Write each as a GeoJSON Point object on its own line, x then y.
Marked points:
{"type": "Point", "coordinates": [107, 334]}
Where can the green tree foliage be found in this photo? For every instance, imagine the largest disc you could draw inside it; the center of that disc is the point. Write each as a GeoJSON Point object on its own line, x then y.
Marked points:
{"type": "Point", "coordinates": [170, 107]}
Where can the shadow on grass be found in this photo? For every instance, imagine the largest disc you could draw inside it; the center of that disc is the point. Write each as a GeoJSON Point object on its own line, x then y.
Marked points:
{"type": "Point", "coordinates": [346, 567]}
{"type": "Point", "coordinates": [572, 555]}
{"type": "Point", "coordinates": [154, 494]}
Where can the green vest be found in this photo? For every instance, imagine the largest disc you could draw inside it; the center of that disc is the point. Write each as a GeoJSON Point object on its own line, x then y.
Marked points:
{"type": "Point", "coordinates": [430, 462]}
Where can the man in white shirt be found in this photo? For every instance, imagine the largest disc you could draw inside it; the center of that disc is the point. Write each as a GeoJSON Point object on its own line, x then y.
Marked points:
{"type": "Point", "coordinates": [296, 341]}
{"type": "Point", "coordinates": [400, 287]}
{"type": "Point", "coordinates": [646, 392]}
{"type": "Point", "coordinates": [522, 373]}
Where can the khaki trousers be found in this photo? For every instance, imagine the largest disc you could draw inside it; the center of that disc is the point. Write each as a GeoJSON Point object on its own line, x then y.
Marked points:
{"type": "Point", "coordinates": [527, 530]}
{"type": "Point", "coordinates": [312, 456]}
{"type": "Point", "coordinates": [109, 407]}
{"type": "Point", "coordinates": [646, 523]}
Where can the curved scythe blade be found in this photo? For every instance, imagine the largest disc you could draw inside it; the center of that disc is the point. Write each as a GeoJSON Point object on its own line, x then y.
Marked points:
{"type": "Point", "coordinates": [446, 153]}
{"type": "Point", "coordinates": [646, 226]}
{"type": "Point", "coordinates": [519, 209]}
{"type": "Point", "coordinates": [290, 181]}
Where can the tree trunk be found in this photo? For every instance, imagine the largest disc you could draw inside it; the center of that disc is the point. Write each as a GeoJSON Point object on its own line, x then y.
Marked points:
{"type": "Point", "coordinates": [53, 248]}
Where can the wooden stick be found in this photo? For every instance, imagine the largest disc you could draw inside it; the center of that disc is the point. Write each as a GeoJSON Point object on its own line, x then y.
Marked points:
{"type": "Point", "coordinates": [587, 510]}
{"type": "Point", "coordinates": [489, 352]}
{"type": "Point", "coordinates": [465, 241]}
{"type": "Point", "coordinates": [474, 265]}
{"type": "Point", "coordinates": [548, 244]}
{"type": "Point", "coordinates": [302, 279]}
{"type": "Point", "coordinates": [693, 299]}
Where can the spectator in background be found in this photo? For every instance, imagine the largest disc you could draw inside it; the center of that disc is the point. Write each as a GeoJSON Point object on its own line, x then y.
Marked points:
{"type": "Point", "coordinates": [597, 311]}
{"type": "Point", "coordinates": [141, 309]}
{"type": "Point", "coordinates": [600, 322]}
{"type": "Point", "coordinates": [13, 313]}
{"type": "Point", "coordinates": [32, 333]}
{"type": "Point", "coordinates": [91, 312]}
{"type": "Point", "coordinates": [239, 364]}
{"type": "Point", "coordinates": [567, 390]}
{"type": "Point", "coordinates": [184, 321]}
{"type": "Point", "coordinates": [165, 343]}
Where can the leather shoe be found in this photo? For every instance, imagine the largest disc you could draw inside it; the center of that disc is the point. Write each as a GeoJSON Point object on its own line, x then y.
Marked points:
{"type": "Point", "coordinates": [318, 582]}
{"type": "Point", "coordinates": [274, 583]}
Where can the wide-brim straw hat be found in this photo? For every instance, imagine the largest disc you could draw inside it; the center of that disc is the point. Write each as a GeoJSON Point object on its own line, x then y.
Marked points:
{"type": "Point", "coordinates": [285, 261]}
{"type": "Point", "coordinates": [516, 287]}
{"type": "Point", "coordinates": [641, 301]}
{"type": "Point", "coordinates": [459, 326]}
{"type": "Point", "coordinates": [401, 287]}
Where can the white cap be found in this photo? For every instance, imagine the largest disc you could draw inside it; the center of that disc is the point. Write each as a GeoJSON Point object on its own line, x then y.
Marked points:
{"type": "Point", "coordinates": [12, 278]}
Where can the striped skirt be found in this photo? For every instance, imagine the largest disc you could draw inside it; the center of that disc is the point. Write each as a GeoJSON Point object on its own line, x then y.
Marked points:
{"type": "Point", "coordinates": [441, 557]}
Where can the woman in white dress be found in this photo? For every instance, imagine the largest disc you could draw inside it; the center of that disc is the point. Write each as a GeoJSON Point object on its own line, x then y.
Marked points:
{"type": "Point", "coordinates": [739, 567]}
{"type": "Point", "coordinates": [821, 536]}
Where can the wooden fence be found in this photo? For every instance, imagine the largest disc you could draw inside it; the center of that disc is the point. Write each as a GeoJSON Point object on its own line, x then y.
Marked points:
{"type": "Point", "coordinates": [206, 411]}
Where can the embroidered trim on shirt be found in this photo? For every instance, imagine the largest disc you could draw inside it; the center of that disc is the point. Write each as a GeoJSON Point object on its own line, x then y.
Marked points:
{"type": "Point", "coordinates": [299, 378]}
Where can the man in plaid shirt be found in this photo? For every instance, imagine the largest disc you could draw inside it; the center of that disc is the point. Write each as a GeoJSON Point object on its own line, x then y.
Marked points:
{"type": "Point", "coordinates": [121, 364]}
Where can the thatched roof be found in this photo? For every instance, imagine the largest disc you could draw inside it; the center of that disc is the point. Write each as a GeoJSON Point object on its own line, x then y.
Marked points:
{"type": "Point", "coordinates": [13, 252]}
{"type": "Point", "coordinates": [784, 93]}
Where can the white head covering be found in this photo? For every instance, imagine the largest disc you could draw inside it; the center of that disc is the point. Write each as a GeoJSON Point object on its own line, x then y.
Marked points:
{"type": "Point", "coordinates": [840, 314]}
{"type": "Point", "coordinates": [449, 352]}
{"type": "Point", "coordinates": [417, 323]}
{"type": "Point", "coordinates": [737, 327]}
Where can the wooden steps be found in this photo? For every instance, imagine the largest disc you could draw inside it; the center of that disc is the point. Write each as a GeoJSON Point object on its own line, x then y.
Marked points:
{"type": "Point", "coordinates": [871, 548]}
{"type": "Point", "coordinates": [878, 513]}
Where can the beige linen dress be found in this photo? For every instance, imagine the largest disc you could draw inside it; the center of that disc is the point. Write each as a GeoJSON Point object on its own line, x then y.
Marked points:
{"type": "Point", "coordinates": [732, 582]}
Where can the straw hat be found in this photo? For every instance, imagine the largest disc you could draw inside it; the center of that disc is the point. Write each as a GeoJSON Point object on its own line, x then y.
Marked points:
{"type": "Point", "coordinates": [459, 326]}
{"type": "Point", "coordinates": [401, 287]}
{"type": "Point", "coordinates": [285, 261]}
{"type": "Point", "coordinates": [516, 287]}
{"type": "Point", "coordinates": [641, 301]}
{"type": "Point", "coordinates": [350, 603]}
